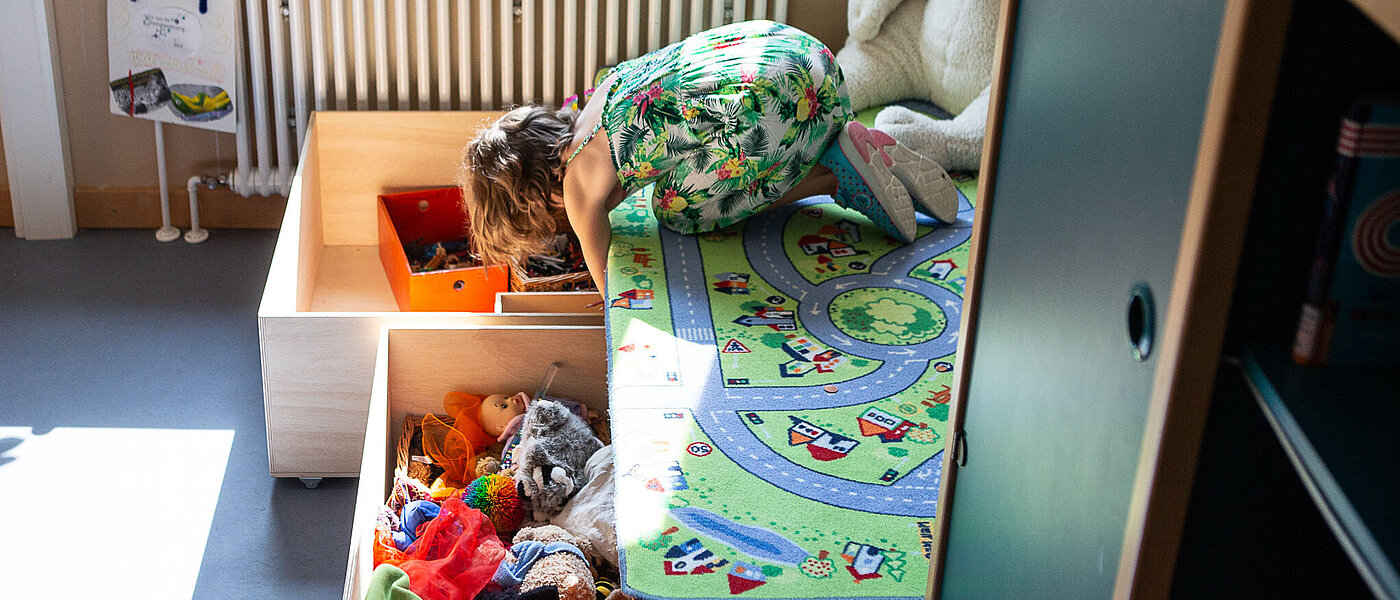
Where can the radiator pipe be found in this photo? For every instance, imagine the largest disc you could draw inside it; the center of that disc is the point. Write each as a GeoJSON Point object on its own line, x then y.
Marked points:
{"type": "Point", "coordinates": [257, 56]}
{"type": "Point", "coordinates": [167, 232]}
{"type": "Point", "coordinates": [507, 38]}
{"type": "Point", "coordinates": [444, 56]}
{"type": "Point", "coordinates": [242, 131]}
{"type": "Point", "coordinates": [341, 78]}
{"type": "Point", "coordinates": [464, 52]}
{"type": "Point", "coordinates": [197, 234]}
{"type": "Point", "coordinates": [425, 78]}
{"type": "Point", "coordinates": [401, 72]}
{"type": "Point", "coordinates": [381, 55]}
{"type": "Point", "coordinates": [486, 42]}
{"type": "Point", "coordinates": [318, 54]}
{"type": "Point", "coordinates": [282, 115]}
{"type": "Point", "coordinates": [361, 47]}
{"type": "Point", "coordinates": [654, 24]}
{"type": "Point", "coordinates": [296, 20]}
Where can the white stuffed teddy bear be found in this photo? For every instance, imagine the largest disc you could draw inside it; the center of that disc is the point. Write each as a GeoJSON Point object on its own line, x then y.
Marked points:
{"type": "Point", "coordinates": [936, 50]}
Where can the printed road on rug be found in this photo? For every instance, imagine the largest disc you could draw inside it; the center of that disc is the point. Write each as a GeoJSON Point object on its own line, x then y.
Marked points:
{"type": "Point", "coordinates": [779, 398]}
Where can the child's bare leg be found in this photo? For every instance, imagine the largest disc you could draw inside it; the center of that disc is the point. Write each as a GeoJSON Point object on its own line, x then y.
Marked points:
{"type": "Point", "coordinates": [819, 181]}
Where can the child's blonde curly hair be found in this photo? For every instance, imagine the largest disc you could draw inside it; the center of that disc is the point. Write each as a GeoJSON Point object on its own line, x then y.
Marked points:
{"type": "Point", "coordinates": [511, 174]}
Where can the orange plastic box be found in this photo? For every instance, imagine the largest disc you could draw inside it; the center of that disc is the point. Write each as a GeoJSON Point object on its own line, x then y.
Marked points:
{"type": "Point", "coordinates": [428, 217]}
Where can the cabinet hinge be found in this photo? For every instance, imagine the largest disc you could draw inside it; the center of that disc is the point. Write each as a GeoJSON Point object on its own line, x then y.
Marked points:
{"type": "Point", "coordinates": [960, 448]}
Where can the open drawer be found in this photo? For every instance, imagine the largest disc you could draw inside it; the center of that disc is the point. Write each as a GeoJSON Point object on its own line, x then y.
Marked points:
{"type": "Point", "coordinates": [564, 303]}
{"type": "Point", "coordinates": [410, 377]}
{"type": "Point", "coordinates": [327, 296]}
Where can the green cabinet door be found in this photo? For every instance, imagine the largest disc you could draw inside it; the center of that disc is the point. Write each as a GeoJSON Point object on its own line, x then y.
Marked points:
{"type": "Point", "coordinates": [1104, 106]}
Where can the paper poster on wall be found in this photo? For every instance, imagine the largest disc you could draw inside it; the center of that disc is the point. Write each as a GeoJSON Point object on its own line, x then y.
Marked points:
{"type": "Point", "coordinates": [173, 61]}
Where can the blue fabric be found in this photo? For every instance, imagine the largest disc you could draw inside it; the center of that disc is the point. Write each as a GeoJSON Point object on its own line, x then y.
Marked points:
{"type": "Point", "coordinates": [509, 575]}
{"type": "Point", "coordinates": [415, 515]}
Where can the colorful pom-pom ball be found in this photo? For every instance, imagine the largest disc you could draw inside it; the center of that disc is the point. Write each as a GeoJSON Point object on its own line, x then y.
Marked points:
{"type": "Point", "coordinates": [496, 497]}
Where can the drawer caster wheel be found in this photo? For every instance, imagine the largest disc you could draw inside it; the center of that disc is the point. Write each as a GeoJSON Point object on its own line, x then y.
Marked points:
{"type": "Point", "coordinates": [310, 482]}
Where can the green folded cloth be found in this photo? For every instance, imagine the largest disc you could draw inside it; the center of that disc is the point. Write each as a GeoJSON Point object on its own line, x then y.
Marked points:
{"type": "Point", "coordinates": [389, 583]}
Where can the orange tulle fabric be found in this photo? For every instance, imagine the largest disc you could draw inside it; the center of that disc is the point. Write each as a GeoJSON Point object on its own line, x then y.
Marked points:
{"type": "Point", "coordinates": [454, 447]}
{"type": "Point", "coordinates": [384, 550]}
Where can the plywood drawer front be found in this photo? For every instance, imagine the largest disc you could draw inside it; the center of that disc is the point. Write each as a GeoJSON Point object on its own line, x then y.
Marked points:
{"type": "Point", "coordinates": [414, 368]}
{"type": "Point", "coordinates": [425, 364]}
{"type": "Point", "coordinates": [317, 373]}
{"type": "Point", "coordinates": [587, 303]}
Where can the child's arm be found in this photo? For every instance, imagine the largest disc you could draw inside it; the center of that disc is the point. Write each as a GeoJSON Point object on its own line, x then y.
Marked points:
{"type": "Point", "coordinates": [589, 219]}
{"type": "Point", "coordinates": [591, 190]}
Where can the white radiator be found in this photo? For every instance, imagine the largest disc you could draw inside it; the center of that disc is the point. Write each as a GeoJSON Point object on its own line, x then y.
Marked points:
{"type": "Point", "coordinates": [305, 55]}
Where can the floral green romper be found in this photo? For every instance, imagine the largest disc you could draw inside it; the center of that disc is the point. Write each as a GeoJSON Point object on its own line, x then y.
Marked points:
{"type": "Point", "coordinates": [724, 122]}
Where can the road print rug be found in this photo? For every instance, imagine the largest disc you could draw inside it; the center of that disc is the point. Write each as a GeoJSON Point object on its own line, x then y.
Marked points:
{"type": "Point", "coordinates": [779, 398]}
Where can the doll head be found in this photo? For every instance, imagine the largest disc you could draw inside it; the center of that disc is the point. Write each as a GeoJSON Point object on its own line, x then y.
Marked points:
{"type": "Point", "coordinates": [467, 410]}
{"type": "Point", "coordinates": [512, 175]}
{"type": "Point", "coordinates": [498, 410]}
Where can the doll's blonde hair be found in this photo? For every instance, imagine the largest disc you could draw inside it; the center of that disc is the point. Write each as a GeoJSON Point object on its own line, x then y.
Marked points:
{"type": "Point", "coordinates": [511, 173]}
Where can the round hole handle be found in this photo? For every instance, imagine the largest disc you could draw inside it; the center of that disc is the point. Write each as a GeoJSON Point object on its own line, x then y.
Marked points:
{"type": "Point", "coordinates": [1142, 322]}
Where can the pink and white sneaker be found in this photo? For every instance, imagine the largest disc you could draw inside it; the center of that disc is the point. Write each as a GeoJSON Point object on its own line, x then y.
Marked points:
{"type": "Point", "coordinates": [930, 186]}
{"type": "Point", "coordinates": [865, 182]}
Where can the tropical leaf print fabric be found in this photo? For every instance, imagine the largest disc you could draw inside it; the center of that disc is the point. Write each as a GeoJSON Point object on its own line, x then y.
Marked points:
{"type": "Point", "coordinates": [724, 122]}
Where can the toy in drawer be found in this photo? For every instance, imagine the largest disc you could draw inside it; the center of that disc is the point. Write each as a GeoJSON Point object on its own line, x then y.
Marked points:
{"type": "Point", "coordinates": [421, 237]}
{"type": "Point", "coordinates": [410, 379]}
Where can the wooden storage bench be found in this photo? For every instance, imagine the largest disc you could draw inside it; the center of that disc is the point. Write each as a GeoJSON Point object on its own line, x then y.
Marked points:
{"type": "Point", "coordinates": [327, 296]}
{"type": "Point", "coordinates": [409, 380]}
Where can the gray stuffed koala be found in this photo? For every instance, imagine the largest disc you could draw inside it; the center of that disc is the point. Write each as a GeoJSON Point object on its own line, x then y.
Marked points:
{"type": "Point", "coordinates": [554, 448]}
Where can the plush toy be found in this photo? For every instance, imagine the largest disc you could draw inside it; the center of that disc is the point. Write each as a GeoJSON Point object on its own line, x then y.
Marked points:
{"type": "Point", "coordinates": [935, 50]}
{"type": "Point", "coordinates": [555, 445]}
{"type": "Point", "coordinates": [544, 557]}
{"type": "Point", "coordinates": [513, 427]}
{"type": "Point", "coordinates": [590, 514]}
{"type": "Point", "coordinates": [513, 434]}
{"type": "Point", "coordinates": [487, 465]}
{"type": "Point", "coordinates": [496, 496]}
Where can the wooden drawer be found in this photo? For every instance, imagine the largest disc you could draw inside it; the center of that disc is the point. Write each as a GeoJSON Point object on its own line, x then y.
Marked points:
{"type": "Point", "coordinates": [570, 303]}
{"type": "Point", "coordinates": [327, 296]}
{"type": "Point", "coordinates": [409, 378]}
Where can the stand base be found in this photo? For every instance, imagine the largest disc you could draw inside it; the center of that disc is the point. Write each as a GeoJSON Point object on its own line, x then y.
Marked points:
{"type": "Point", "coordinates": [196, 236]}
{"type": "Point", "coordinates": [167, 234]}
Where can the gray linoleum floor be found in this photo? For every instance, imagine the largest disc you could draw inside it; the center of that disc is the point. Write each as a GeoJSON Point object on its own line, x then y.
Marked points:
{"type": "Point", "coordinates": [114, 329]}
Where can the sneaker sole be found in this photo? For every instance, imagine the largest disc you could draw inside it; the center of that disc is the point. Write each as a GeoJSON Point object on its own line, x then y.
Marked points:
{"type": "Point", "coordinates": [890, 193]}
{"type": "Point", "coordinates": [927, 182]}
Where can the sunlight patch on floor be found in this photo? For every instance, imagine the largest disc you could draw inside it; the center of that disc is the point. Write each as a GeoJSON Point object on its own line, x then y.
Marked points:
{"type": "Point", "coordinates": [92, 512]}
